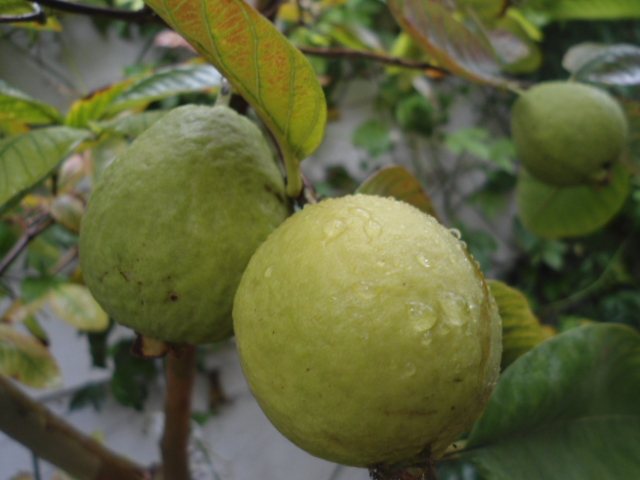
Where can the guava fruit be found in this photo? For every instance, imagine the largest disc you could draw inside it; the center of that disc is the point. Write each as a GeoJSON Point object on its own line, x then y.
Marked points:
{"type": "Point", "coordinates": [367, 332]}
{"type": "Point", "coordinates": [172, 223]}
{"type": "Point", "coordinates": [568, 133]}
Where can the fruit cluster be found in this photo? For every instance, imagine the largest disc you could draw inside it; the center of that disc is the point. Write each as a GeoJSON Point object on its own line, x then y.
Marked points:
{"type": "Point", "coordinates": [365, 329]}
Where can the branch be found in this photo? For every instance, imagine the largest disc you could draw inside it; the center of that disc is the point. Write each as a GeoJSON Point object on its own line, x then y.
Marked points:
{"type": "Point", "coordinates": [38, 226]}
{"type": "Point", "coordinates": [145, 15]}
{"type": "Point", "coordinates": [54, 440]}
{"type": "Point", "coordinates": [181, 373]}
{"type": "Point", "coordinates": [376, 57]}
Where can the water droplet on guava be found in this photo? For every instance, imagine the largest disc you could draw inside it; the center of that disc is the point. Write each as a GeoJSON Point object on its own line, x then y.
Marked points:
{"type": "Point", "coordinates": [333, 230]}
{"type": "Point", "coordinates": [455, 307]}
{"type": "Point", "coordinates": [372, 229]}
{"type": "Point", "coordinates": [360, 212]}
{"type": "Point", "coordinates": [422, 316]}
{"type": "Point", "coordinates": [409, 369]}
{"type": "Point", "coordinates": [423, 260]}
{"type": "Point", "coordinates": [456, 233]}
{"type": "Point", "coordinates": [268, 272]}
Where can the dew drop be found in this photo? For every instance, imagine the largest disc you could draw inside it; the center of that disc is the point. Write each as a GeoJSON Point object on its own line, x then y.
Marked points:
{"type": "Point", "coordinates": [333, 230]}
{"type": "Point", "coordinates": [456, 233]}
{"type": "Point", "coordinates": [426, 338]}
{"type": "Point", "coordinates": [360, 212]}
{"type": "Point", "coordinates": [409, 370]}
{"type": "Point", "coordinates": [423, 260]}
{"type": "Point", "coordinates": [268, 272]}
{"type": "Point", "coordinates": [455, 308]}
{"type": "Point", "coordinates": [372, 229]}
{"type": "Point", "coordinates": [421, 316]}
{"type": "Point", "coordinates": [365, 292]}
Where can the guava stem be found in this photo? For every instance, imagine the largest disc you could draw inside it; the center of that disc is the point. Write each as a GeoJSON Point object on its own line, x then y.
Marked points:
{"type": "Point", "coordinates": [51, 438]}
{"type": "Point", "coordinates": [225, 93]}
{"type": "Point", "coordinates": [180, 373]}
{"type": "Point", "coordinates": [294, 177]}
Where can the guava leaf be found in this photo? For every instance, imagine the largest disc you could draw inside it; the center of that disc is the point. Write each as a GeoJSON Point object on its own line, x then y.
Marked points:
{"type": "Point", "coordinates": [521, 329]}
{"type": "Point", "coordinates": [27, 360]}
{"type": "Point", "coordinates": [17, 106]}
{"type": "Point", "coordinates": [464, 52]}
{"type": "Point", "coordinates": [132, 125]}
{"type": "Point", "coordinates": [604, 64]}
{"type": "Point", "coordinates": [27, 159]}
{"type": "Point", "coordinates": [632, 110]}
{"type": "Point", "coordinates": [566, 410]}
{"type": "Point", "coordinates": [486, 10]}
{"type": "Point", "coordinates": [397, 182]}
{"type": "Point", "coordinates": [95, 106]}
{"type": "Point", "coordinates": [554, 212]}
{"type": "Point", "coordinates": [167, 83]}
{"type": "Point", "coordinates": [75, 304]}
{"type": "Point", "coordinates": [67, 210]}
{"type": "Point", "coordinates": [262, 65]}
{"type": "Point", "coordinates": [585, 9]}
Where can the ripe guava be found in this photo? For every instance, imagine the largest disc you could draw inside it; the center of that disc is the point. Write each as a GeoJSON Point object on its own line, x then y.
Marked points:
{"type": "Point", "coordinates": [173, 222]}
{"type": "Point", "coordinates": [367, 332]}
{"type": "Point", "coordinates": [568, 133]}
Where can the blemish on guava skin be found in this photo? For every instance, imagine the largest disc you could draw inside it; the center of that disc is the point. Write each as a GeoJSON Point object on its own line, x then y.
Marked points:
{"type": "Point", "coordinates": [173, 297]}
{"type": "Point", "coordinates": [277, 194]}
{"type": "Point", "coordinates": [123, 275]}
{"type": "Point", "coordinates": [457, 380]}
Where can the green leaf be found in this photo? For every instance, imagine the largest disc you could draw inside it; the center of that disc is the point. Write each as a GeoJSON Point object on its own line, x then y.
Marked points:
{"type": "Point", "coordinates": [95, 106]}
{"type": "Point", "coordinates": [17, 106]}
{"type": "Point", "coordinates": [373, 136]}
{"type": "Point", "coordinates": [567, 410]}
{"type": "Point", "coordinates": [27, 159]}
{"type": "Point", "coordinates": [167, 83]}
{"type": "Point", "coordinates": [604, 64]}
{"type": "Point", "coordinates": [555, 212]}
{"type": "Point", "coordinates": [67, 210]}
{"type": "Point", "coordinates": [456, 47]}
{"type": "Point", "coordinates": [397, 182]}
{"type": "Point", "coordinates": [521, 329]}
{"type": "Point", "coordinates": [75, 304]}
{"type": "Point", "coordinates": [132, 125]}
{"type": "Point", "coordinates": [27, 360]}
{"type": "Point", "coordinates": [585, 9]}
{"type": "Point", "coordinates": [129, 383]}
{"type": "Point", "coordinates": [263, 67]}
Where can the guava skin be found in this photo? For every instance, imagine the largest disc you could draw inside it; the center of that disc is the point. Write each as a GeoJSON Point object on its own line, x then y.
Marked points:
{"type": "Point", "coordinates": [568, 133]}
{"type": "Point", "coordinates": [367, 332]}
{"type": "Point", "coordinates": [172, 223]}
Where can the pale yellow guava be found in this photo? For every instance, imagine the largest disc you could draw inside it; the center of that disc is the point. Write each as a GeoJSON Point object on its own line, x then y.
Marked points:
{"type": "Point", "coordinates": [568, 133]}
{"type": "Point", "coordinates": [172, 223]}
{"type": "Point", "coordinates": [367, 332]}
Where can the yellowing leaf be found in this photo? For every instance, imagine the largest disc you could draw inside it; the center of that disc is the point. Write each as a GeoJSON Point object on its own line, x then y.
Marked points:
{"type": "Point", "coordinates": [263, 67]}
{"type": "Point", "coordinates": [396, 181]}
{"type": "Point", "coordinates": [27, 360]}
{"type": "Point", "coordinates": [75, 304]}
{"type": "Point", "coordinates": [521, 329]}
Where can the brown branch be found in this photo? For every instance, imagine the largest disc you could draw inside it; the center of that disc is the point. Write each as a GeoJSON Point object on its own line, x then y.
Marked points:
{"type": "Point", "coordinates": [54, 440]}
{"type": "Point", "coordinates": [180, 372]}
{"type": "Point", "coordinates": [373, 56]}
{"type": "Point", "coordinates": [145, 15]}
{"type": "Point", "coordinates": [38, 226]}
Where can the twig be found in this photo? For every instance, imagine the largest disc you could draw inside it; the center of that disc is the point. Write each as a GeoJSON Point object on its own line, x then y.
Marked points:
{"type": "Point", "coordinates": [145, 15]}
{"type": "Point", "coordinates": [38, 226]}
{"type": "Point", "coordinates": [54, 440]}
{"type": "Point", "coordinates": [180, 372]}
{"type": "Point", "coordinates": [376, 57]}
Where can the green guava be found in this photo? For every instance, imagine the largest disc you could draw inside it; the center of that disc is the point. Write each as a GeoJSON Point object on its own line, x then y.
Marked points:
{"type": "Point", "coordinates": [568, 133]}
{"type": "Point", "coordinates": [173, 222]}
{"type": "Point", "coordinates": [367, 332]}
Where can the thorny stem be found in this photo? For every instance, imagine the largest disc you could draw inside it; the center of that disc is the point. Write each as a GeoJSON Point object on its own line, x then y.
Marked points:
{"type": "Point", "coordinates": [54, 440]}
{"type": "Point", "coordinates": [180, 373]}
